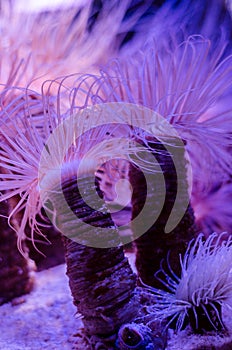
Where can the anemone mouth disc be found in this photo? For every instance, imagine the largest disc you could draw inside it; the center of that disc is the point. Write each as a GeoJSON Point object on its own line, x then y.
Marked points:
{"type": "Point", "coordinates": [134, 336]}
{"type": "Point", "coordinates": [130, 336]}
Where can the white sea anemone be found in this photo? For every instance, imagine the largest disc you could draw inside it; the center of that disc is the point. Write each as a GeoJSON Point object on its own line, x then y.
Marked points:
{"type": "Point", "coordinates": [204, 287]}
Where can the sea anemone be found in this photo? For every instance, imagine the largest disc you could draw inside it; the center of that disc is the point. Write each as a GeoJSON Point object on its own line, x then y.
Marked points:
{"type": "Point", "coordinates": [177, 84]}
{"type": "Point", "coordinates": [205, 286]}
{"type": "Point", "coordinates": [41, 160]}
{"type": "Point", "coordinates": [189, 84]}
{"type": "Point", "coordinates": [139, 336]}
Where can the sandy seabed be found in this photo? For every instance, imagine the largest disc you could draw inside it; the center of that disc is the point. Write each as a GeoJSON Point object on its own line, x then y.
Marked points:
{"type": "Point", "coordinates": [47, 319]}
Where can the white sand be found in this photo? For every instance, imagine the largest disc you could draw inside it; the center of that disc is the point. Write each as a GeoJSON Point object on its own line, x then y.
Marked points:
{"type": "Point", "coordinates": [45, 319]}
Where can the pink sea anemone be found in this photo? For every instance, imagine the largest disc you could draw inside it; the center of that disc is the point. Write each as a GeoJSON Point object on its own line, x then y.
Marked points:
{"type": "Point", "coordinates": [190, 87]}
{"type": "Point", "coordinates": [50, 44]}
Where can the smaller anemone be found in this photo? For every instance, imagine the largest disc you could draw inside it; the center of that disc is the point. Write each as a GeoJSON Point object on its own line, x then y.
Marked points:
{"type": "Point", "coordinates": [205, 285]}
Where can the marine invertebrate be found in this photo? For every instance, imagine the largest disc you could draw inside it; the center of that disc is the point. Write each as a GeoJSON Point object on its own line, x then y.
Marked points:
{"type": "Point", "coordinates": [176, 82]}
{"type": "Point", "coordinates": [18, 165]}
{"type": "Point", "coordinates": [139, 336]}
{"type": "Point", "coordinates": [31, 59]}
{"type": "Point", "coordinates": [104, 287]}
{"type": "Point", "coordinates": [104, 308]}
{"type": "Point", "coordinates": [203, 288]}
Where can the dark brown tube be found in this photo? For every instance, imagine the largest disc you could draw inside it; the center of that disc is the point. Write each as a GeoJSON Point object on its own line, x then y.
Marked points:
{"type": "Point", "coordinates": [155, 245]}
{"type": "Point", "coordinates": [15, 269]}
{"type": "Point", "coordinates": [102, 283]}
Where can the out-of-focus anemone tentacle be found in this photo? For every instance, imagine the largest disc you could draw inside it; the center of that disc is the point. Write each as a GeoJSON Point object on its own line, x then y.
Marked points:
{"type": "Point", "coordinates": [159, 84]}
{"type": "Point", "coordinates": [203, 289]}
{"type": "Point", "coordinates": [213, 211]}
{"type": "Point", "coordinates": [208, 15]}
{"type": "Point", "coordinates": [67, 45]}
{"type": "Point", "coordinates": [191, 17]}
{"type": "Point", "coordinates": [58, 42]}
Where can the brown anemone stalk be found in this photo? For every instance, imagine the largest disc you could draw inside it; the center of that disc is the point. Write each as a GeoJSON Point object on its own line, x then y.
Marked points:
{"type": "Point", "coordinates": [16, 270]}
{"type": "Point", "coordinates": [101, 280]}
{"type": "Point", "coordinates": [102, 283]}
{"type": "Point", "coordinates": [155, 246]}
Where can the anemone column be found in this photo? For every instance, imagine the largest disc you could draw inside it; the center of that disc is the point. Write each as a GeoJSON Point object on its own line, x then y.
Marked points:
{"type": "Point", "coordinates": [102, 283]}
{"type": "Point", "coordinates": [155, 246]}
{"type": "Point", "coordinates": [15, 269]}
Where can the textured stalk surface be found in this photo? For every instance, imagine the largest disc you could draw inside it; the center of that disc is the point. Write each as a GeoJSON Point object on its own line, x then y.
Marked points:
{"type": "Point", "coordinates": [15, 270]}
{"type": "Point", "coordinates": [155, 245]}
{"type": "Point", "coordinates": [101, 280]}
